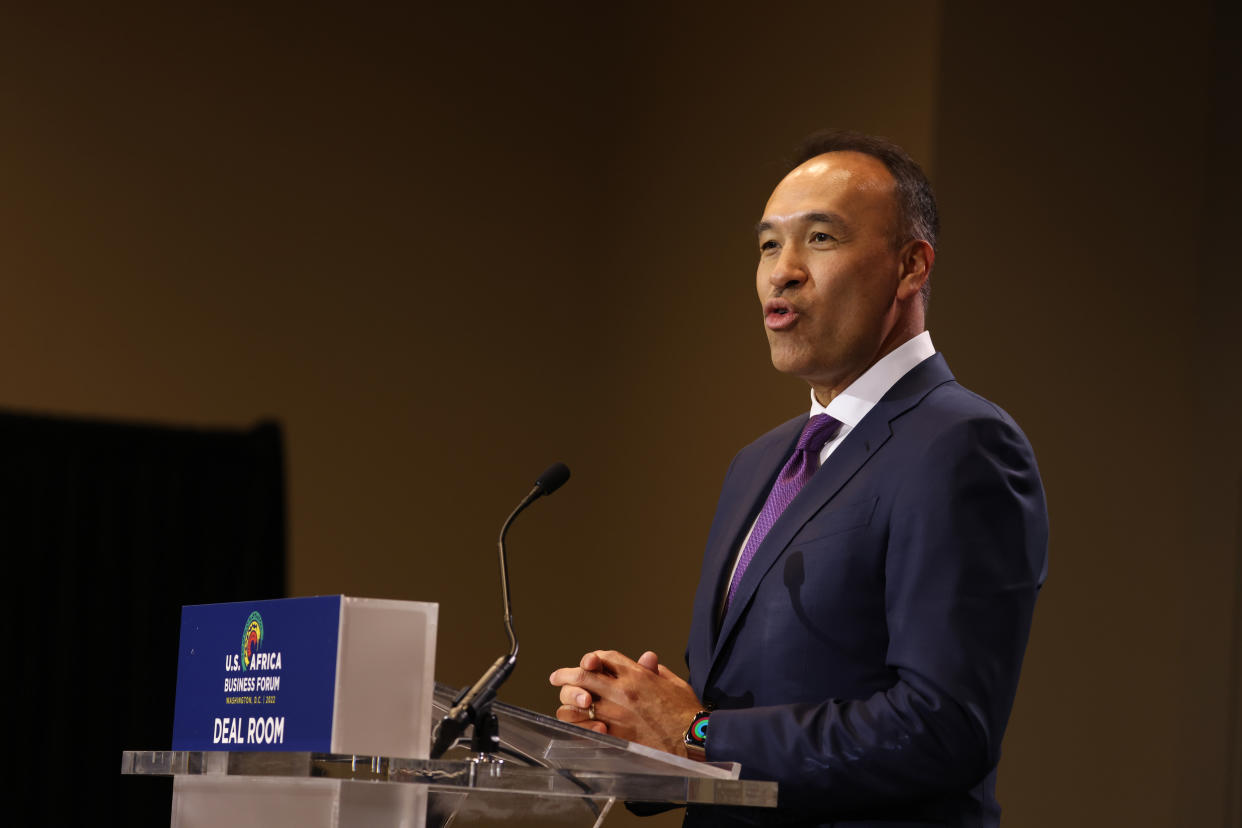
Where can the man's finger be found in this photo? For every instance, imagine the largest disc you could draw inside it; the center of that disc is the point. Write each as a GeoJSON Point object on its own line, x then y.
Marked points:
{"type": "Point", "coordinates": [578, 677]}
{"type": "Point", "coordinates": [614, 662]}
{"type": "Point", "coordinates": [576, 696]}
{"type": "Point", "coordinates": [573, 714]}
{"type": "Point", "coordinates": [649, 660]}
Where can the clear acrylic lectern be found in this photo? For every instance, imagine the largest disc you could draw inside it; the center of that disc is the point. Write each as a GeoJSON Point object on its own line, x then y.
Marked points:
{"type": "Point", "coordinates": [544, 771]}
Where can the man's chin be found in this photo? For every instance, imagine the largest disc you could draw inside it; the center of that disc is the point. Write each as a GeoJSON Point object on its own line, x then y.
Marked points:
{"type": "Point", "coordinates": [789, 363]}
{"type": "Point", "coordinates": [804, 369]}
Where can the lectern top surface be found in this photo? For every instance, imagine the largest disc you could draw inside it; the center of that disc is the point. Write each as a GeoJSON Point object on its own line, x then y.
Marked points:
{"type": "Point", "coordinates": [535, 739]}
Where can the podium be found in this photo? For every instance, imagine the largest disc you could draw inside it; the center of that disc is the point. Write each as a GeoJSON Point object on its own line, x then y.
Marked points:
{"type": "Point", "coordinates": [543, 769]}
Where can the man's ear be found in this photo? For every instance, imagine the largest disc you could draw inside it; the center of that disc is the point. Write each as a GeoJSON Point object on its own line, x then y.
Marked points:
{"type": "Point", "coordinates": [917, 258]}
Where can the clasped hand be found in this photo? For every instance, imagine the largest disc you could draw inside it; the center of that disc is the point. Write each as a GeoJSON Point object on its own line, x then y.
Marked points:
{"type": "Point", "coordinates": [639, 701]}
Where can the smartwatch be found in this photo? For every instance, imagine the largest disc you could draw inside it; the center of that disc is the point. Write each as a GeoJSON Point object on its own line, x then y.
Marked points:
{"type": "Point", "coordinates": [696, 735]}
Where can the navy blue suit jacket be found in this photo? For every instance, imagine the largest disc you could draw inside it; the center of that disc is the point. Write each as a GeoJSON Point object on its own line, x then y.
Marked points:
{"type": "Point", "coordinates": [869, 659]}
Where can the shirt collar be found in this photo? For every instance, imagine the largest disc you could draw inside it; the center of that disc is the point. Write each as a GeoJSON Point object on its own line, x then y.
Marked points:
{"type": "Point", "coordinates": [852, 404]}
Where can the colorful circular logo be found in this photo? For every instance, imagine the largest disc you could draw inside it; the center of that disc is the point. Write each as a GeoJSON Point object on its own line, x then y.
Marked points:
{"type": "Point", "coordinates": [252, 637]}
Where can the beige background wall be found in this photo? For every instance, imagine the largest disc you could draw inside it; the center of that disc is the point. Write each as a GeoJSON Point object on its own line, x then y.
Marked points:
{"type": "Point", "coordinates": [445, 248]}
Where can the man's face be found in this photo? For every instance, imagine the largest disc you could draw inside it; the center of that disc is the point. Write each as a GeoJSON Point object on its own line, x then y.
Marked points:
{"type": "Point", "coordinates": [828, 271]}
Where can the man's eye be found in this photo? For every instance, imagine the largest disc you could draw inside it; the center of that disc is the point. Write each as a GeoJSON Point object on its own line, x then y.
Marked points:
{"type": "Point", "coordinates": [767, 245]}
{"type": "Point", "coordinates": [821, 238]}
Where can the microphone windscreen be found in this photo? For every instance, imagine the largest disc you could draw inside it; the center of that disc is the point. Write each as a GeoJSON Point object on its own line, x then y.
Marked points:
{"type": "Point", "coordinates": [553, 478]}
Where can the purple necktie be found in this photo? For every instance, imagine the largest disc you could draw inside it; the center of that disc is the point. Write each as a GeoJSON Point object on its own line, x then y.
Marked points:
{"type": "Point", "coordinates": [797, 471]}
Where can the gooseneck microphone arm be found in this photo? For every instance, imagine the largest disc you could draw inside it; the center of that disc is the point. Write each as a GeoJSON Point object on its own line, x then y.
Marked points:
{"type": "Point", "coordinates": [548, 482]}
{"type": "Point", "coordinates": [473, 705]}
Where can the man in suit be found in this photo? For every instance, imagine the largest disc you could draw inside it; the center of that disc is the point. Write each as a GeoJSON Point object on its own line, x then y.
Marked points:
{"type": "Point", "coordinates": [871, 571]}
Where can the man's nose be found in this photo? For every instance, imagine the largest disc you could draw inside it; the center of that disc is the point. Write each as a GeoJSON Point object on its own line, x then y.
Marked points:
{"type": "Point", "coordinates": [790, 269]}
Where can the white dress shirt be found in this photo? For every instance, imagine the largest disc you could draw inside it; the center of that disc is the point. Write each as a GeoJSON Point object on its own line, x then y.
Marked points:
{"type": "Point", "coordinates": [852, 404]}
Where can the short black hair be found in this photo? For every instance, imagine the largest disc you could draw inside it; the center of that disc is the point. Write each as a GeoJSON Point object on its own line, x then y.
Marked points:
{"type": "Point", "coordinates": [917, 217]}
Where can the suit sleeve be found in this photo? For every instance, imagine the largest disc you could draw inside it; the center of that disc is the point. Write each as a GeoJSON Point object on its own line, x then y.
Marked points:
{"type": "Point", "coordinates": [965, 556]}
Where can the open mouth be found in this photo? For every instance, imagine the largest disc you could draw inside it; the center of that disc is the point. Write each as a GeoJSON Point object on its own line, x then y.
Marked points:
{"type": "Point", "coordinates": [778, 314]}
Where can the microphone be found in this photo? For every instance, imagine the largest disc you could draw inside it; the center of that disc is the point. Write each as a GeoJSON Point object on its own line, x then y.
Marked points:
{"type": "Point", "coordinates": [553, 478]}
{"type": "Point", "coordinates": [471, 705]}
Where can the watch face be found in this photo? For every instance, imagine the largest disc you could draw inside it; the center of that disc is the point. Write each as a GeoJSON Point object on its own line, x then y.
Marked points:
{"type": "Point", "coordinates": [697, 733]}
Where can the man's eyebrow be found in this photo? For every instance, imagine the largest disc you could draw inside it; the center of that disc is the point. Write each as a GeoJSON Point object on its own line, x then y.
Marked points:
{"type": "Point", "coordinates": [824, 218]}
{"type": "Point", "coordinates": [810, 218]}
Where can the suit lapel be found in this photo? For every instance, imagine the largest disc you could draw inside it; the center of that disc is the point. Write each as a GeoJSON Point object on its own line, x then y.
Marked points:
{"type": "Point", "coordinates": [859, 445]}
{"type": "Point", "coordinates": [855, 450]}
{"type": "Point", "coordinates": [746, 489]}
{"type": "Point", "coordinates": [745, 500]}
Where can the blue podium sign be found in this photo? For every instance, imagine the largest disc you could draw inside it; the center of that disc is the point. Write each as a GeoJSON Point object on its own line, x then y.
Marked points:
{"type": "Point", "coordinates": [258, 675]}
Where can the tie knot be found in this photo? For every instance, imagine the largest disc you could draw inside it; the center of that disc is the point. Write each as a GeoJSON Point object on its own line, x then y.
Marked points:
{"type": "Point", "coordinates": [819, 430]}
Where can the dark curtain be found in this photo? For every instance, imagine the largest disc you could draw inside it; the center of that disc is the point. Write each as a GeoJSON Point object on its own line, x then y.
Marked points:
{"type": "Point", "coordinates": [108, 529]}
